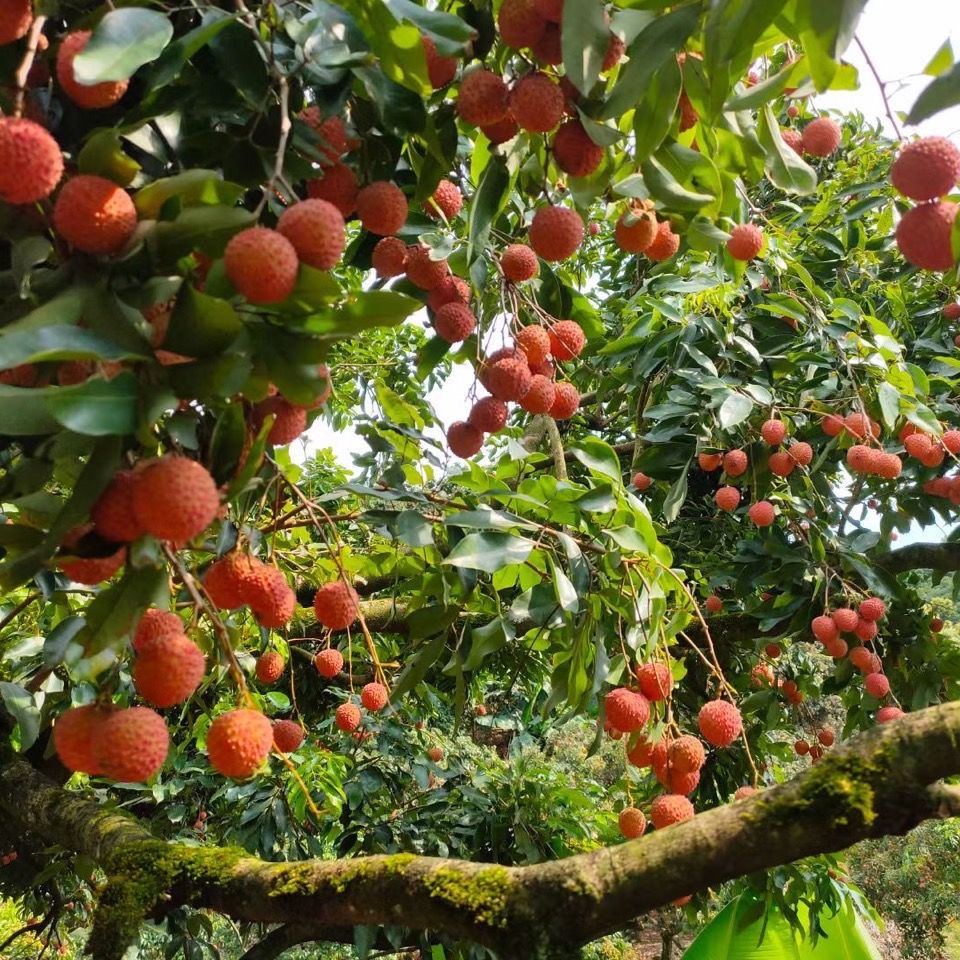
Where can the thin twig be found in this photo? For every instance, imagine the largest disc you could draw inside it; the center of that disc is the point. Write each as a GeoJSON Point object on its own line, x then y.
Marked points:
{"type": "Point", "coordinates": [23, 71]}
{"type": "Point", "coordinates": [883, 88]}
{"type": "Point", "coordinates": [18, 609]}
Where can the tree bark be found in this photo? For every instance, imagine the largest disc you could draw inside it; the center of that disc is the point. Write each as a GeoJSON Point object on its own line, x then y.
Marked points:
{"type": "Point", "coordinates": [882, 782]}
{"type": "Point", "coordinates": [943, 557]}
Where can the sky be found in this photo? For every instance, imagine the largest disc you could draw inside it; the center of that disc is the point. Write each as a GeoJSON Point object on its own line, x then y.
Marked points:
{"type": "Point", "coordinates": [900, 37]}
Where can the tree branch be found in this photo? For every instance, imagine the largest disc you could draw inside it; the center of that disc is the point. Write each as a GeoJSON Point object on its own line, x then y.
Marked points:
{"type": "Point", "coordinates": [878, 783]}
{"type": "Point", "coordinates": [944, 557]}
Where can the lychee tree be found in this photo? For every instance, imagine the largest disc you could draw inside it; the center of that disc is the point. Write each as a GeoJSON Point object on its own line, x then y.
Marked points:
{"type": "Point", "coordinates": [709, 331]}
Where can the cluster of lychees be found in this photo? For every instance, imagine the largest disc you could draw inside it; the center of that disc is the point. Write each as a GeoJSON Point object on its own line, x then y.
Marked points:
{"type": "Point", "coordinates": [238, 579]}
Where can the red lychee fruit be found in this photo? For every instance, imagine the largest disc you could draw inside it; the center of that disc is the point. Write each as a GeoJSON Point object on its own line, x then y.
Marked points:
{"type": "Point", "coordinates": [792, 139]}
{"type": "Point", "coordinates": [886, 714]}
{"type": "Point", "coordinates": [686, 754]}
{"type": "Point", "coordinates": [89, 96]}
{"type": "Point", "coordinates": [483, 99]}
{"type": "Point", "coordinates": [574, 152]}
{"type": "Point", "coordinates": [518, 263]}
{"type": "Point", "coordinates": [801, 453]}
{"type": "Point", "coordinates": [290, 421]}
{"type": "Point", "coordinates": [873, 608]}
{"type": "Point", "coordinates": [168, 672]}
{"type": "Point", "coordinates": [762, 675]}
{"type": "Point", "coordinates": [520, 24]}
{"type": "Point", "coordinates": [614, 54]}
{"type": "Point", "coordinates": [269, 667]}
{"type": "Point", "coordinates": [507, 379]}
{"type": "Point", "coordinates": [951, 311]}
{"type": "Point", "coordinates": [447, 199]}
{"type": "Point", "coordinates": [316, 230]}
{"type": "Point", "coordinates": [889, 466]}
{"type": "Point", "coordinates": [451, 290]}
{"type": "Point", "coordinates": [94, 215]}
{"type": "Point", "coordinates": [641, 481]}
{"type": "Point", "coordinates": [501, 131]}
{"type": "Point", "coordinates": [845, 619]}
{"type": "Point", "coordinates": [227, 580]}
{"type": "Point", "coordinates": [772, 650]}
{"type": "Point", "coordinates": [936, 625]}
{"type": "Point", "coordinates": [374, 697]}
{"type": "Point", "coordinates": [951, 441]}
{"type": "Point", "coordinates": [713, 604]}
{"type": "Point", "coordinates": [865, 660]}
{"type": "Point", "coordinates": [824, 628]}
{"type": "Point", "coordinates": [154, 627]}
{"type": "Point", "coordinates": [836, 648]}
{"type": "Point", "coordinates": [877, 685]}
{"type": "Point", "coordinates": [464, 439]}
{"type": "Point", "coordinates": [670, 808]}
{"type": "Point", "coordinates": [175, 498]}
{"type": "Point", "coordinates": [488, 414]}
{"type": "Point", "coordinates": [89, 570]}
{"type": "Point", "coordinates": [635, 230]}
{"type": "Point", "coordinates": [860, 458]}
{"type": "Point", "coordinates": [347, 717]}
{"type": "Point", "coordinates": [655, 680]}
{"type": "Point", "coordinates": [534, 342]}
{"type": "Point", "coordinates": [641, 753]}
{"type": "Point", "coordinates": [389, 257]}
{"type": "Point", "coordinates": [287, 735]}
{"type": "Point", "coordinates": [762, 513]}
{"type": "Point", "coordinates": [743, 792]}
{"type": "Point", "coordinates": [773, 432]}
{"type": "Point", "coordinates": [15, 19]}
{"type": "Point", "coordinates": [73, 735]}
{"type": "Point", "coordinates": [454, 322]}
{"type": "Point", "coordinates": [865, 630]}
{"type": "Point", "coordinates": [422, 270]}
{"type": "Point", "coordinates": [926, 169]}
{"type": "Point", "coordinates": [860, 426]}
{"type": "Point", "coordinates": [556, 233]}
{"type": "Point", "coordinates": [727, 498]}
{"type": "Point", "coordinates": [665, 244]}
{"type": "Point", "coordinates": [336, 605]}
{"type": "Point", "coordinates": [735, 463]}
{"type": "Point", "coordinates": [551, 10]}
{"type": "Point", "coordinates": [709, 461]}
{"type": "Point", "coordinates": [831, 424]}
{"type": "Point", "coordinates": [745, 241]}
{"type": "Point", "coordinates": [917, 445]}
{"type": "Point", "coordinates": [821, 137]}
{"type": "Point", "coordinates": [435, 754]}
{"type": "Point", "coordinates": [262, 264]}
{"type": "Point", "coordinates": [382, 208]}
{"type": "Point", "coordinates": [720, 723]}
{"type": "Point", "coordinates": [923, 235]}
{"type": "Point", "coordinates": [329, 663]}
{"type": "Point", "coordinates": [441, 70]}
{"type": "Point", "coordinates": [632, 823]}
{"type": "Point", "coordinates": [801, 748]}
{"type": "Point", "coordinates": [826, 736]}
{"type": "Point", "coordinates": [131, 745]}
{"type": "Point", "coordinates": [566, 339]}
{"type": "Point", "coordinates": [541, 395]}
{"type": "Point", "coordinates": [112, 515]}
{"type": "Point", "coordinates": [238, 742]}
{"type": "Point", "coordinates": [566, 401]}
{"type": "Point", "coordinates": [334, 142]}
{"type": "Point", "coordinates": [31, 163]}
{"type": "Point", "coordinates": [338, 185]}
{"type": "Point", "coordinates": [626, 710]}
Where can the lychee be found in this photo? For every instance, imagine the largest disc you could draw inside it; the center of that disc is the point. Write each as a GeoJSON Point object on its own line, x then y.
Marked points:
{"type": "Point", "coordinates": [507, 379]}
{"type": "Point", "coordinates": [735, 463]}
{"type": "Point", "coordinates": [773, 432]}
{"type": "Point", "coordinates": [826, 736]}
{"type": "Point", "coordinates": [289, 422]}
{"type": "Point", "coordinates": [641, 753]}
{"type": "Point", "coordinates": [382, 208]}
{"type": "Point", "coordinates": [626, 710]}
{"type": "Point", "coordinates": [821, 137]}
{"type": "Point", "coordinates": [686, 754]}
{"type": "Point", "coordinates": [865, 660]}
{"type": "Point", "coordinates": [540, 396]}
{"type": "Point", "coordinates": [287, 735]}
{"type": "Point", "coordinates": [112, 515]}
{"type": "Point", "coordinates": [167, 673]}
{"type": "Point", "coordinates": [665, 244]}
{"type": "Point", "coordinates": [801, 453]}
{"type": "Point", "coordinates": [440, 69]}
{"type": "Point", "coordinates": [926, 169]}
{"type": "Point", "coordinates": [825, 628]}
{"type": "Point", "coordinates": [635, 230]}
{"type": "Point", "coordinates": [347, 717]}
{"type": "Point", "coordinates": [94, 215]}
{"type": "Point", "coordinates": [451, 290]}
{"type": "Point", "coordinates": [15, 19]}
{"type": "Point", "coordinates": [670, 808]}
{"type": "Point", "coordinates": [865, 630]}
{"type": "Point", "coordinates": [175, 498]}
{"type": "Point", "coordinates": [534, 342]}
{"type": "Point", "coordinates": [801, 748]}
{"type": "Point", "coordinates": [227, 580]}
{"type": "Point", "coordinates": [845, 619]}
{"type": "Point", "coordinates": [886, 714]}
{"type": "Point", "coordinates": [556, 233]}
{"type": "Point", "coordinates": [655, 680]}
{"type": "Point", "coordinates": [238, 742]}
{"type": "Point", "coordinates": [792, 139]}
{"type": "Point", "coordinates": [951, 441]}
{"type": "Point", "coordinates": [483, 98]}
{"type": "Point", "coordinates": [727, 498]}
{"type": "Point", "coordinates": [573, 150]}
{"type": "Point", "coordinates": [374, 697]}
{"type": "Point", "coordinates": [936, 625]}
{"type": "Point", "coordinates": [488, 414]}
{"type": "Point", "coordinates": [73, 735]}
{"type": "Point", "coordinates": [720, 723]}
{"type": "Point", "coordinates": [713, 604]}
{"type": "Point", "coordinates": [746, 240]}
{"type": "Point", "coordinates": [566, 401]}
{"type": "Point", "coordinates": [454, 322]}
{"type": "Point", "coordinates": [316, 230]}
{"type": "Point", "coordinates": [762, 513]}
{"type": "Point", "coordinates": [269, 667]}
{"type": "Point", "coordinates": [31, 163]}
{"type": "Point", "coordinates": [153, 627]}
{"type": "Point", "coordinates": [423, 270]}
{"type": "Point", "coordinates": [831, 424]}
{"type": "Point", "coordinates": [632, 823]}
{"type": "Point", "coordinates": [518, 263]}
{"type": "Point", "coordinates": [90, 570]}
{"type": "Point", "coordinates": [435, 754]}
{"type": "Point", "coordinates": [131, 745]}
{"type": "Point", "coordinates": [501, 131]}
{"type": "Point", "coordinates": [781, 464]}
{"type": "Point", "coordinates": [336, 605]}
{"type": "Point", "coordinates": [743, 792]}
{"type": "Point", "coordinates": [951, 311]}
{"type": "Point", "coordinates": [332, 132]}
{"type": "Point", "coordinates": [877, 685]}
{"type": "Point", "coordinates": [464, 439]}
{"type": "Point", "coordinates": [329, 663]}
{"type": "Point", "coordinates": [519, 23]}
{"type": "Point", "coordinates": [709, 461]}
{"type": "Point", "coordinates": [566, 339]}
{"type": "Point", "coordinates": [338, 185]}
{"type": "Point", "coordinates": [446, 199]}
{"type": "Point", "coordinates": [262, 264]}
{"type": "Point", "coordinates": [923, 235]}
{"type": "Point", "coordinates": [641, 481]}
{"type": "Point", "coordinates": [89, 96]}
{"type": "Point", "coordinates": [389, 257]}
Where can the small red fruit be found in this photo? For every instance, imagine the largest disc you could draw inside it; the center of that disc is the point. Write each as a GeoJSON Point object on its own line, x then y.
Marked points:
{"type": "Point", "coordinates": [735, 463]}
{"type": "Point", "coordinates": [374, 697]}
{"type": "Point", "coordinates": [270, 667]}
{"type": "Point", "coordinates": [626, 710]}
{"type": "Point", "coordinates": [238, 742]}
{"type": "Point", "coordinates": [632, 823]}
{"type": "Point", "coordinates": [336, 605]}
{"type": "Point", "coordinates": [518, 263]}
{"type": "Point", "coordinates": [131, 745]}
{"type": "Point", "coordinates": [720, 723]}
{"type": "Point", "coordinates": [347, 717]}
{"type": "Point", "coordinates": [556, 233]}
{"type": "Point", "coordinates": [727, 498]}
{"type": "Point", "coordinates": [762, 513]}
{"type": "Point", "coordinates": [746, 240]}
{"type": "Point", "coordinates": [464, 439]}
{"type": "Point", "coordinates": [382, 208]}
{"type": "Point", "coordinates": [329, 663]}
{"type": "Point", "coordinates": [821, 137]}
{"type": "Point", "coordinates": [262, 264]}
{"type": "Point", "coordinates": [488, 414]}
{"type": "Point", "coordinates": [655, 680]}
{"type": "Point", "coordinates": [566, 402]}
{"type": "Point", "coordinates": [287, 735]}
{"type": "Point", "coordinates": [670, 808]}
{"type": "Point", "coordinates": [566, 339]}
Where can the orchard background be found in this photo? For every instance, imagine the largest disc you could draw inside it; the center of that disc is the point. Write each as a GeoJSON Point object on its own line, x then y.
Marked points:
{"type": "Point", "coordinates": [631, 638]}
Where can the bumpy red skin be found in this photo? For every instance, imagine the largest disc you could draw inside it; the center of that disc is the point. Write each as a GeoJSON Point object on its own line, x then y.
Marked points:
{"type": "Point", "coordinates": [73, 738]}
{"type": "Point", "coordinates": [94, 215]}
{"type": "Point", "coordinates": [167, 673]}
{"type": "Point", "coordinates": [923, 235]}
{"type": "Point", "coordinates": [262, 264]}
{"type": "Point", "coordinates": [627, 710]}
{"type": "Point", "coordinates": [131, 745]}
{"type": "Point", "coordinates": [720, 723]}
{"type": "Point", "coordinates": [175, 498]}
{"type": "Point", "coordinates": [556, 233]}
{"type": "Point", "coordinates": [336, 605]}
{"type": "Point", "coordinates": [287, 735]}
{"type": "Point", "coordinates": [926, 169]}
{"type": "Point", "coordinates": [668, 809]}
{"type": "Point", "coordinates": [238, 742]}
{"type": "Point", "coordinates": [329, 663]}
{"type": "Point", "coordinates": [31, 163]}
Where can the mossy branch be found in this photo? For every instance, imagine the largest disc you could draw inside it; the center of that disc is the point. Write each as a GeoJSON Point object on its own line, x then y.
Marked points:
{"type": "Point", "coordinates": [882, 782]}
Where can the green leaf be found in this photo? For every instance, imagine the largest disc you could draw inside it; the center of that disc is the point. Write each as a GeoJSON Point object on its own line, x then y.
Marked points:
{"type": "Point", "coordinates": [941, 61]}
{"type": "Point", "coordinates": [489, 551]}
{"type": "Point", "coordinates": [227, 443]}
{"type": "Point", "coordinates": [59, 343]}
{"type": "Point", "coordinates": [656, 43]}
{"type": "Point", "coordinates": [437, 23]}
{"type": "Point", "coordinates": [889, 397]}
{"type": "Point", "coordinates": [103, 156]}
{"type": "Point", "coordinates": [64, 309]}
{"type": "Point", "coordinates": [123, 41]}
{"type": "Point", "coordinates": [598, 457]}
{"type": "Point", "coordinates": [366, 309]}
{"type": "Point", "coordinates": [416, 666]}
{"type": "Point", "coordinates": [585, 37]}
{"type": "Point", "coordinates": [168, 66]}
{"type": "Point", "coordinates": [486, 205]}
{"type": "Point", "coordinates": [663, 185]}
{"type": "Point", "coordinates": [23, 414]}
{"type": "Point", "coordinates": [735, 408]}
{"type": "Point", "coordinates": [766, 90]}
{"type": "Point", "coordinates": [97, 407]}
{"type": "Point", "coordinates": [397, 46]}
{"type": "Point", "coordinates": [654, 116]}
{"type": "Point", "coordinates": [21, 706]}
{"type": "Point", "coordinates": [207, 229]}
{"type": "Point", "coordinates": [26, 254]}
{"type": "Point", "coordinates": [785, 168]}
{"type": "Point", "coordinates": [826, 30]}
{"type": "Point", "coordinates": [414, 529]}
{"type": "Point", "coordinates": [942, 93]}
{"type": "Point", "coordinates": [488, 639]}
{"type": "Point", "coordinates": [676, 495]}
{"type": "Point", "coordinates": [191, 188]}
{"type": "Point", "coordinates": [201, 325]}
